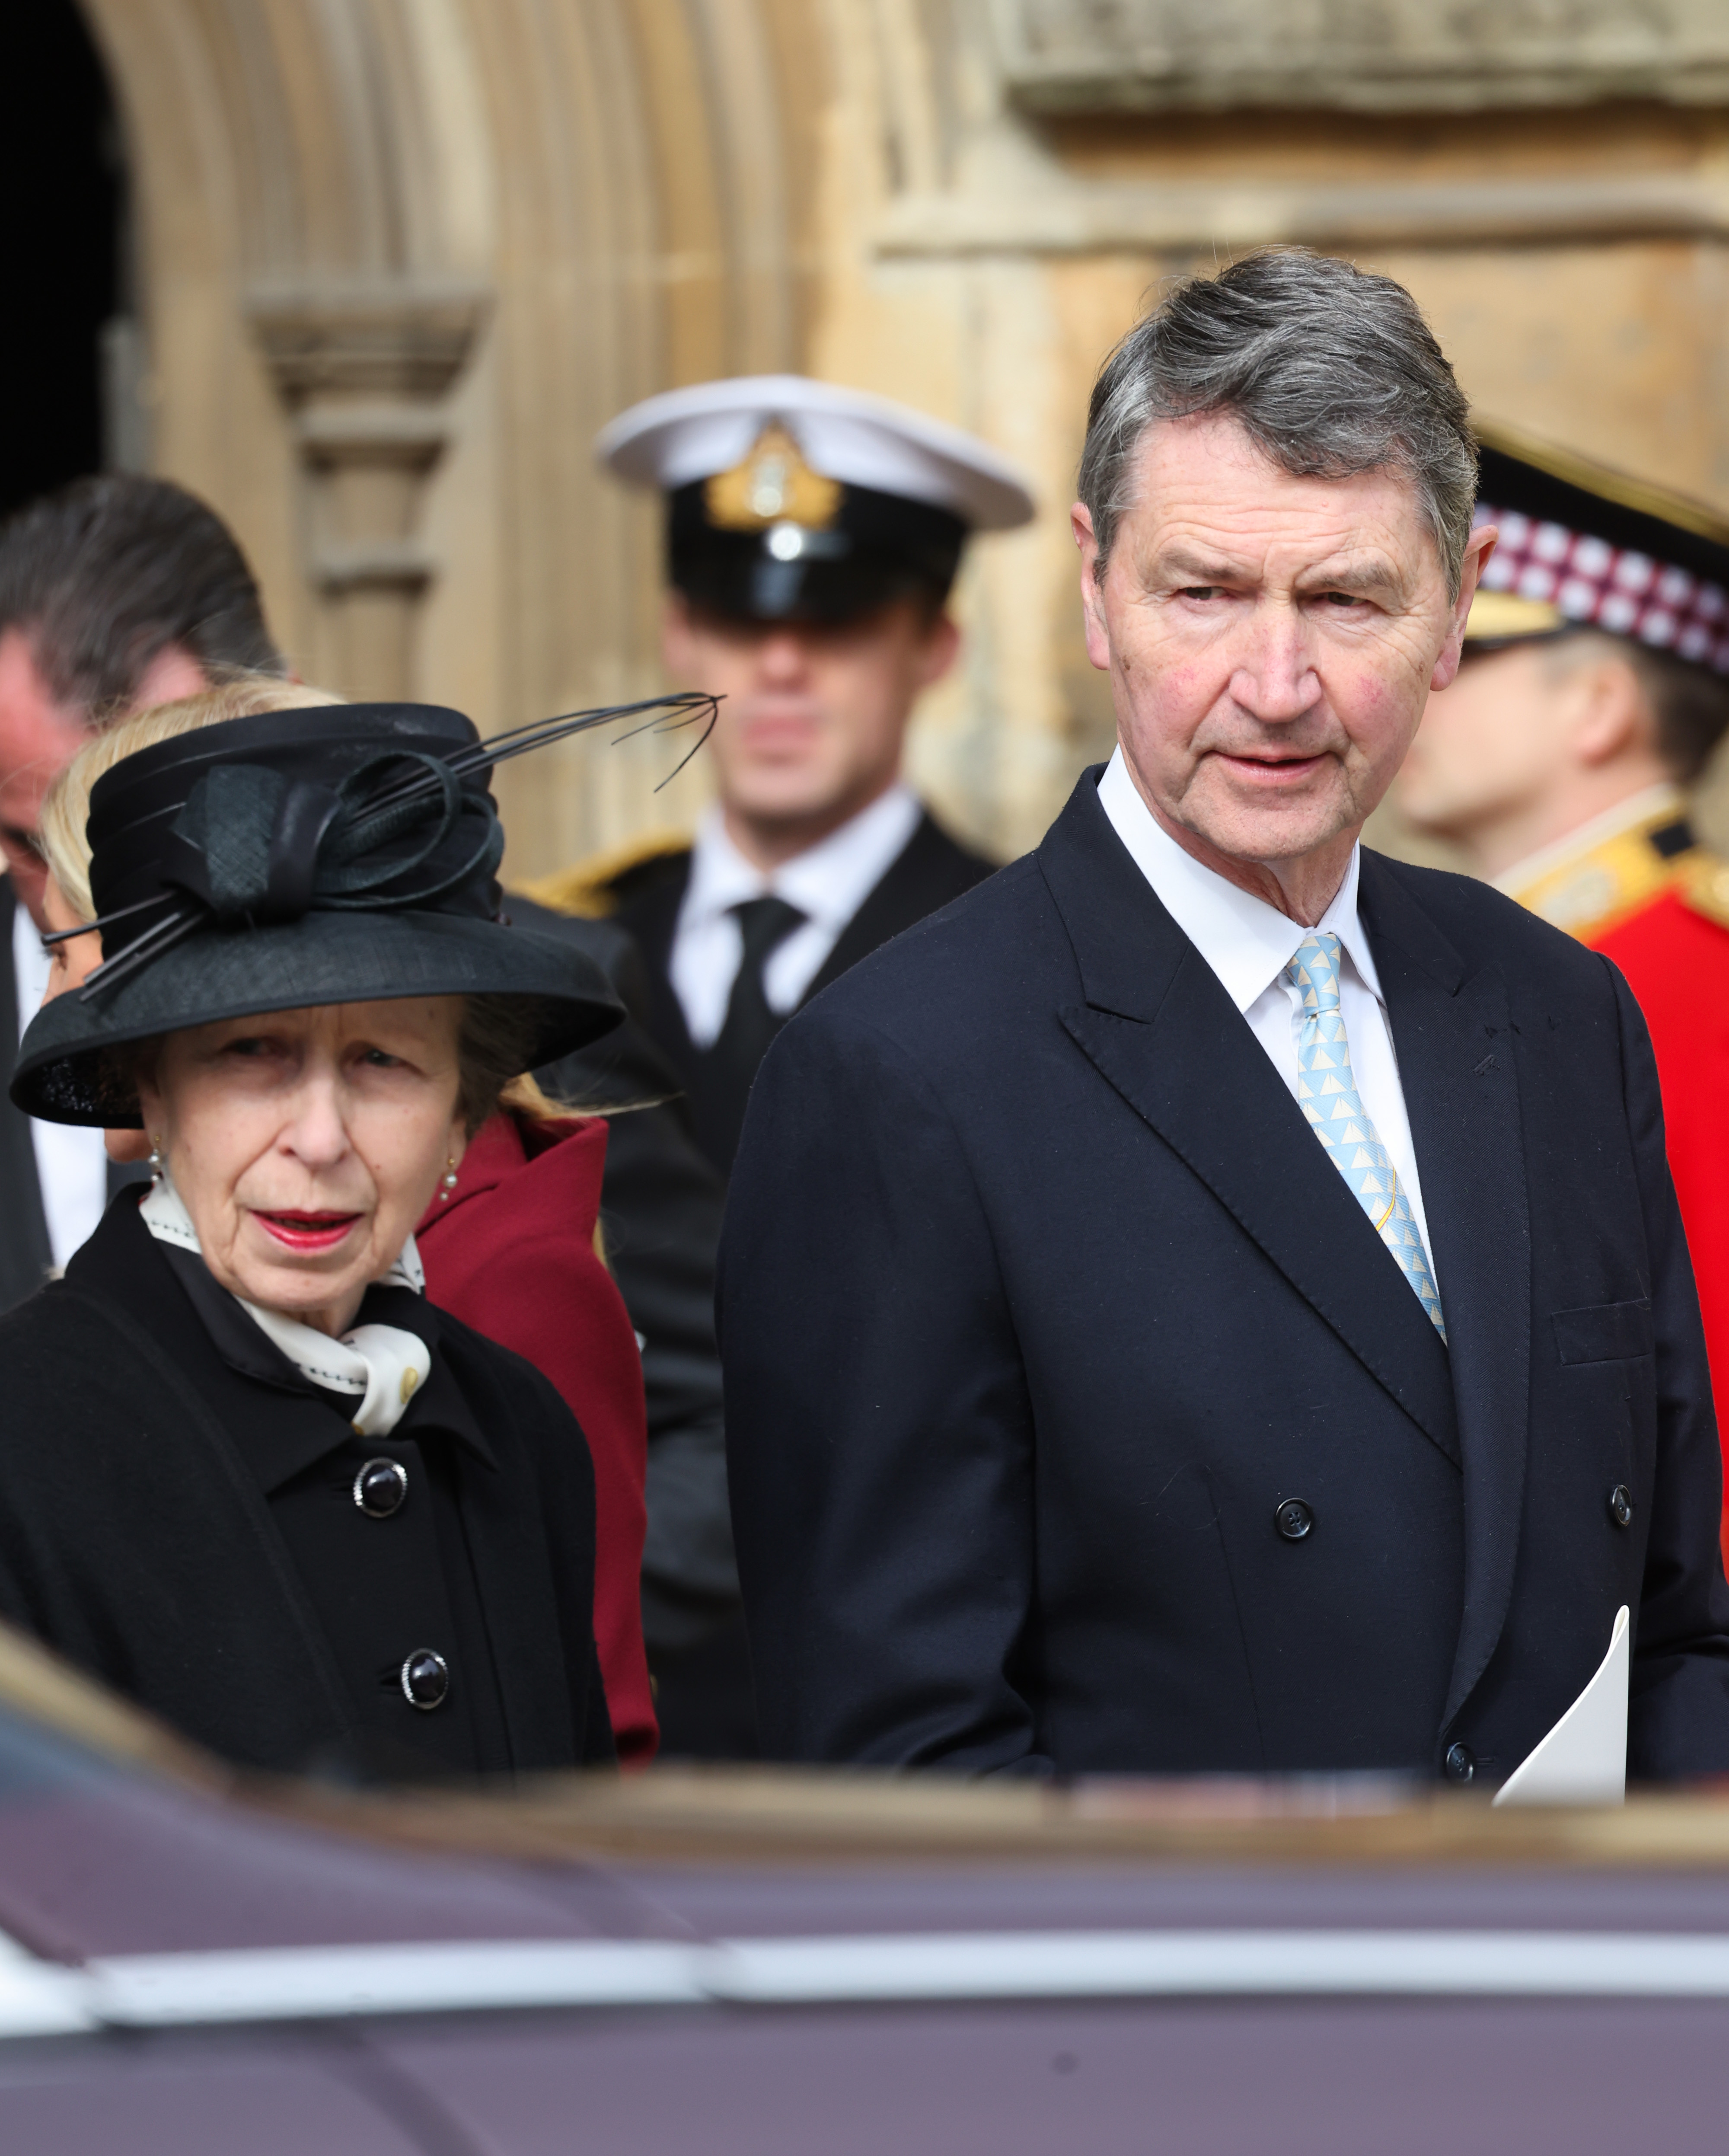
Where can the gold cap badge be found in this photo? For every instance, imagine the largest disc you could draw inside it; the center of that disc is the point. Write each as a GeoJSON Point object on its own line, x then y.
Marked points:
{"type": "Point", "coordinates": [772, 485]}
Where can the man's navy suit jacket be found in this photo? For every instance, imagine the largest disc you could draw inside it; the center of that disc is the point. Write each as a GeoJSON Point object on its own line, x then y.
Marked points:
{"type": "Point", "coordinates": [1040, 1298]}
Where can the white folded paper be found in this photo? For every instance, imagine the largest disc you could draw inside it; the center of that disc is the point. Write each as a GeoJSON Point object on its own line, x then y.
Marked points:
{"type": "Point", "coordinates": [1583, 1759]}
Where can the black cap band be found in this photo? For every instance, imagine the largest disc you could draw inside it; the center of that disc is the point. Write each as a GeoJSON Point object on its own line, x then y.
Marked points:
{"type": "Point", "coordinates": [877, 548]}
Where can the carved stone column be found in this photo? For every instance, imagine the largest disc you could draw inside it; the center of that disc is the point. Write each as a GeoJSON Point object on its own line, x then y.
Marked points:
{"type": "Point", "coordinates": [366, 372]}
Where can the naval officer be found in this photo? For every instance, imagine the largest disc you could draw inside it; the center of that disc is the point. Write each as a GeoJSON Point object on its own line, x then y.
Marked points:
{"type": "Point", "coordinates": [813, 538]}
{"type": "Point", "coordinates": [1594, 690]}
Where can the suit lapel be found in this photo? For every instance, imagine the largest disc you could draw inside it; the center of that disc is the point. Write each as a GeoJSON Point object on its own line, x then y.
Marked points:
{"type": "Point", "coordinates": [1460, 1082]}
{"type": "Point", "coordinates": [1158, 1026]}
{"type": "Point", "coordinates": [651, 915]}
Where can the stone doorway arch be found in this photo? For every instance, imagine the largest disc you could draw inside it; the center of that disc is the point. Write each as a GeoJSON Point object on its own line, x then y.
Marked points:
{"type": "Point", "coordinates": [397, 260]}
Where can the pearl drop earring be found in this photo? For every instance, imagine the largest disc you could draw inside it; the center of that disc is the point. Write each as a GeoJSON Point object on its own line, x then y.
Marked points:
{"type": "Point", "coordinates": [448, 1180]}
{"type": "Point", "coordinates": [156, 1160]}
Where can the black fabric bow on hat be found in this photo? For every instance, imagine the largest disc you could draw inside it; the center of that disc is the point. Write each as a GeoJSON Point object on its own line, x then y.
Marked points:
{"type": "Point", "coordinates": [257, 823]}
{"type": "Point", "coordinates": [253, 846]}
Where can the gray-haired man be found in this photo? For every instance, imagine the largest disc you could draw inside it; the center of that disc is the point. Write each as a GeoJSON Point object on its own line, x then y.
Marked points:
{"type": "Point", "coordinates": [1212, 1299]}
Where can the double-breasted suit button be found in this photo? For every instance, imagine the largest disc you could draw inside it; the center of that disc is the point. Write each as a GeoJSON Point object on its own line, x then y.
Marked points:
{"type": "Point", "coordinates": [1461, 1763]}
{"type": "Point", "coordinates": [425, 1679]}
{"type": "Point", "coordinates": [380, 1488]}
{"type": "Point", "coordinates": [1621, 1506]}
{"type": "Point", "coordinates": [1293, 1519]}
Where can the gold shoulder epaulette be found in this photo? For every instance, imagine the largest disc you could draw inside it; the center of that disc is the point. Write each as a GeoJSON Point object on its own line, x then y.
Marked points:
{"type": "Point", "coordinates": [586, 889]}
{"type": "Point", "coordinates": [1702, 883]}
{"type": "Point", "coordinates": [1593, 888]}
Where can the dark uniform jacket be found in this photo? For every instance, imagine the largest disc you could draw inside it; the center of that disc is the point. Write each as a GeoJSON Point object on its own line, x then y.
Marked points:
{"type": "Point", "coordinates": [26, 1254]}
{"type": "Point", "coordinates": [177, 1517]}
{"type": "Point", "coordinates": [662, 1224]}
{"type": "Point", "coordinates": [929, 872]}
{"type": "Point", "coordinates": [1079, 1421]}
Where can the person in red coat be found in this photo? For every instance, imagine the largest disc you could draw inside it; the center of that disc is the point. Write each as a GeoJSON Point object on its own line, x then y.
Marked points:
{"type": "Point", "coordinates": [511, 1251]}
{"type": "Point", "coordinates": [1594, 689]}
{"type": "Point", "coordinates": [1674, 952]}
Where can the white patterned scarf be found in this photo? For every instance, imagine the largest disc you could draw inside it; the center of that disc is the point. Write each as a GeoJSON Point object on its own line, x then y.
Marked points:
{"type": "Point", "coordinates": [382, 1365]}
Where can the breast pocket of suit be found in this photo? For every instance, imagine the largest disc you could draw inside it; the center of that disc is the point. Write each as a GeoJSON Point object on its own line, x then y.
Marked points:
{"type": "Point", "coordinates": [1605, 1332]}
{"type": "Point", "coordinates": [1608, 1348]}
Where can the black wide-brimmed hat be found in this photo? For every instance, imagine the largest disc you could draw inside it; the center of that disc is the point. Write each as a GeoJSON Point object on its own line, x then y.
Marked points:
{"type": "Point", "coordinates": [343, 854]}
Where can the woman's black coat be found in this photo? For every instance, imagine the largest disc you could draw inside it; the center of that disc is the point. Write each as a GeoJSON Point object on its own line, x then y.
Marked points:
{"type": "Point", "coordinates": [137, 1541]}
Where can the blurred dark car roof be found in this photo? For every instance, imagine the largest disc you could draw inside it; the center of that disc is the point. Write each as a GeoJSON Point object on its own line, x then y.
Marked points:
{"type": "Point", "coordinates": [781, 1963]}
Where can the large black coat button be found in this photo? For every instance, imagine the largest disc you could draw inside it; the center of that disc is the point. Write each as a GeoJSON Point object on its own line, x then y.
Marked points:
{"type": "Point", "coordinates": [1461, 1763]}
{"type": "Point", "coordinates": [380, 1488]}
{"type": "Point", "coordinates": [1621, 1506]}
{"type": "Point", "coordinates": [1293, 1519]}
{"type": "Point", "coordinates": [426, 1679]}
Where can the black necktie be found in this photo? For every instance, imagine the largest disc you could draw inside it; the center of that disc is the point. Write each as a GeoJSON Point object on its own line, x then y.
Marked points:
{"type": "Point", "coordinates": [718, 1103]}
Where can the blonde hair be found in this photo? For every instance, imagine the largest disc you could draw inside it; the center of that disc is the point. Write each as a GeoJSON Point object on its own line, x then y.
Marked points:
{"type": "Point", "coordinates": [60, 832]}
{"type": "Point", "coordinates": [65, 846]}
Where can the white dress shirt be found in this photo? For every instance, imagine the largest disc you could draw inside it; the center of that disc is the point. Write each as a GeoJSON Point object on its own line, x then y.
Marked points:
{"type": "Point", "coordinates": [827, 884]}
{"type": "Point", "coordinates": [71, 1161]}
{"type": "Point", "coordinates": [1248, 944]}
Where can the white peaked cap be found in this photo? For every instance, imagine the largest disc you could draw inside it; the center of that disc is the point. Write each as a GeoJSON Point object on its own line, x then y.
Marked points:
{"type": "Point", "coordinates": [687, 434]}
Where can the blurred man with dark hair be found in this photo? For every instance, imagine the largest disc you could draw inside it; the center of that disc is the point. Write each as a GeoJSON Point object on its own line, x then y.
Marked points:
{"type": "Point", "coordinates": [1593, 692]}
{"type": "Point", "coordinates": [117, 593]}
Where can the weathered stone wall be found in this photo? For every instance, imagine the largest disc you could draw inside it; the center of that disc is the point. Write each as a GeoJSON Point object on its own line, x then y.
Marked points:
{"type": "Point", "coordinates": [1357, 55]}
{"type": "Point", "coordinates": [401, 258]}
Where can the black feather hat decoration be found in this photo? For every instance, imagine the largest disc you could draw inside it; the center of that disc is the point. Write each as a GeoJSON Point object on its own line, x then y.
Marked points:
{"type": "Point", "coordinates": [344, 853]}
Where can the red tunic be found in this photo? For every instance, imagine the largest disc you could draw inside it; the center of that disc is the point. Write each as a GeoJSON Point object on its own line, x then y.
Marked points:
{"type": "Point", "coordinates": [512, 1254]}
{"type": "Point", "coordinates": [1676, 960]}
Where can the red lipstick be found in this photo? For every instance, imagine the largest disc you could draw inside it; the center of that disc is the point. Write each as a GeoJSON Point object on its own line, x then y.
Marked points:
{"type": "Point", "coordinates": [307, 1232]}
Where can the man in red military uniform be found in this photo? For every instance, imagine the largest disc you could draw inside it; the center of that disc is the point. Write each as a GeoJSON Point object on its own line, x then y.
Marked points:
{"type": "Point", "coordinates": [1595, 689]}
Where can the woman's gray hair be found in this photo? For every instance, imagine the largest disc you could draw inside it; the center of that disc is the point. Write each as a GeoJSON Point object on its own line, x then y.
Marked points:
{"type": "Point", "coordinates": [1330, 370]}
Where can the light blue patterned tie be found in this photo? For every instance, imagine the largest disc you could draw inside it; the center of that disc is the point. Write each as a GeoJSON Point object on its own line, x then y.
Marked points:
{"type": "Point", "coordinates": [1327, 1095]}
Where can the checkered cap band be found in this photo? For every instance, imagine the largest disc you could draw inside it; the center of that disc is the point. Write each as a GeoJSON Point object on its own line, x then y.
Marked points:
{"type": "Point", "coordinates": [1612, 588]}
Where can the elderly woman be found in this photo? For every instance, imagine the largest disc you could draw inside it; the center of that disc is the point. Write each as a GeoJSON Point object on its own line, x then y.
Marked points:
{"type": "Point", "coordinates": [511, 1249]}
{"type": "Point", "coordinates": [248, 1475]}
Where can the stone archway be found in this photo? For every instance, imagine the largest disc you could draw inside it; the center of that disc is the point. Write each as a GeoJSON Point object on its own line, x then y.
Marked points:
{"type": "Point", "coordinates": [398, 260]}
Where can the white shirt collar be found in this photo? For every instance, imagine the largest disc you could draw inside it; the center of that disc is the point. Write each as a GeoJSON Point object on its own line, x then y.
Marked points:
{"type": "Point", "coordinates": [30, 964]}
{"type": "Point", "coordinates": [1246, 942]}
{"type": "Point", "coordinates": [828, 883]}
{"type": "Point", "coordinates": [1636, 808]}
